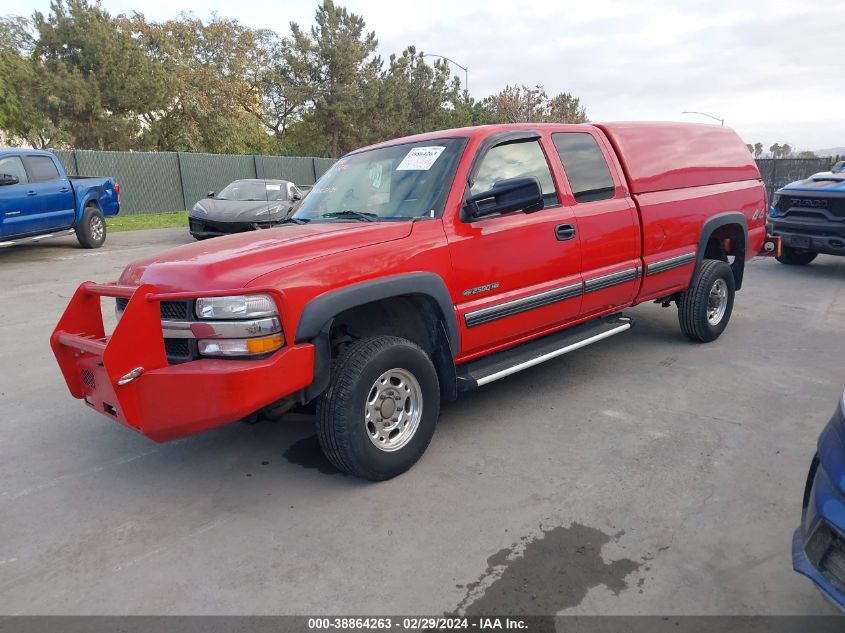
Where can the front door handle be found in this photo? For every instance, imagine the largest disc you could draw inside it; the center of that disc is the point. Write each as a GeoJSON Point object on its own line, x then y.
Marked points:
{"type": "Point", "coordinates": [64, 189]}
{"type": "Point", "coordinates": [32, 193]}
{"type": "Point", "coordinates": [564, 232]}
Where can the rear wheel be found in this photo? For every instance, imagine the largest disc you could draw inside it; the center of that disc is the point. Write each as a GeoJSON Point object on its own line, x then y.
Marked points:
{"type": "Point", "coordinates": [91, 231]}
{"type": "Point", "coordinates": [378, 415]}
{"type": "Point", "coordinates": [792, 257]}
{"type": "Point", "coordinates": [705, 308]}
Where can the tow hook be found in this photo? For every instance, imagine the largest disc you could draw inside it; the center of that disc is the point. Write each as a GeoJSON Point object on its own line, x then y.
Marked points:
{"type": "Point", "coordinates": [128, 377]}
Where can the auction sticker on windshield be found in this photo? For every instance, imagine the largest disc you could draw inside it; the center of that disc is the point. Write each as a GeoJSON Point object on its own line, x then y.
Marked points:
{"type": "Point", "coordinates": [420, 158]}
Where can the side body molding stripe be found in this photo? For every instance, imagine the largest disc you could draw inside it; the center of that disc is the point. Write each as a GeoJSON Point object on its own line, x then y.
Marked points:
{"type": "Point", "coordinates": [509, 308]}
{"type": "Point", "coordinates": [548, 297]}
{"type": "Point", "coordinates": [668, 264]}
{"type": "Point", "coordinates": [606, 281]}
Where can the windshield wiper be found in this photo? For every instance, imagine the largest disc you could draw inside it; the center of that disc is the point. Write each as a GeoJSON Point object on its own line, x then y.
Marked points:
{"type": "Point", "coordinates": [293, 220]}
{"type": "Point", "coordinates": [350, 213]}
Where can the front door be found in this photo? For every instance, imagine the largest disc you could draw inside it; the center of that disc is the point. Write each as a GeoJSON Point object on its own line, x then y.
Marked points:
{"type": "Point", "coordinates": [18, 202]}
{"type": "Point", "coordinates": [516, 274]}
{"type": "Point", "coordinates": [56, 210]}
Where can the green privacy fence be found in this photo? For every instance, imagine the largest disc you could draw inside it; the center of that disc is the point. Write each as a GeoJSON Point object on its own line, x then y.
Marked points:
{"type": "Point", "coordinates": [153, 182]}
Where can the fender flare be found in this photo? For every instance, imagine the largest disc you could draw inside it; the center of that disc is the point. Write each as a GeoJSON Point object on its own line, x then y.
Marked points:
{"type": "Point", "coordinates": [707, 230]}
{"type": "Point", "coordinates": [319, 313]}
{"type": "Point", "coordinates": [88, 201]}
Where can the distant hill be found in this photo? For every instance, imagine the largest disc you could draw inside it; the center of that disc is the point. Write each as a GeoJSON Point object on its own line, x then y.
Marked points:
{"type": "Point", "coordinates": [833, 151]}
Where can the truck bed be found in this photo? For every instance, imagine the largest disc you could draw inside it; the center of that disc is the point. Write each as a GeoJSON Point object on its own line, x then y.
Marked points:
{"type": "Point", "coordinates": [657, 156]}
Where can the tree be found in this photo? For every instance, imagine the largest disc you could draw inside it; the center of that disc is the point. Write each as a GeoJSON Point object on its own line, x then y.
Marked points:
{"type": "Point", "coordinates": [15, 74]}
{"type": "Point", "coordinates": [517, 104]}
{"type": "Point", "coordinates": [79, 77]}
{"type": "Point", "coordinates": [412, 97]}
{"type": "Point", "coordinates": [807, 154]}
{"type": "Point", "coordinates": [92, 79]}
{"type": "Point", "coordinates": [279, 92]}
{"type": "Point", "coordinates": [750, 148]}
{"type": "Point", "coordinates": [785, 150]}
{"type": "Point", "coordinates": [758, 150]}
{"type": "Point", "coordinates": [524, 104]}
{"type": "Point", "coordinates": [336, 56]}
{"type": "Point", "coordinates": [776, 150]}
{"type": "Point", "coordinates": [565, 108]}
{"type": "Point", "coordinates": [212, 103]}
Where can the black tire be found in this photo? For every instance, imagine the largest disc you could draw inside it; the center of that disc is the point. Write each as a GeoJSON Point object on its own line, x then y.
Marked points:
{"type": "Point", "coordinates": [695, 303]}
{"type": "Point", "coordinates": [91, 231]}
{"type": "Point", "coordinates": [342, 429]}
{"type": "Point", "coordinates": [792, 257]}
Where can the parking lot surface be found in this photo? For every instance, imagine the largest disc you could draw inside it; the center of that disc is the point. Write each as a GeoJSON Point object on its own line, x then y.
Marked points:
{"type": "Point", "coordinates": [642, 475]}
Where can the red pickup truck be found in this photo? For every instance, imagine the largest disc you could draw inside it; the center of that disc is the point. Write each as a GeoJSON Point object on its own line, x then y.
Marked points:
{"type": "Point", "coordinates": [417, 269]}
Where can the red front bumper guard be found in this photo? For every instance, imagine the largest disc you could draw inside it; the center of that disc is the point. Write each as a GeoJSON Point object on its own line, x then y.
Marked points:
{"type": "Point", "coordinates": [127, 378]}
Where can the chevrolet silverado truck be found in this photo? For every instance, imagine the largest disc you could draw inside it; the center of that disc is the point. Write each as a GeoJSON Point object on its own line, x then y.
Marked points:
{"type": "Point", "coordinates": [418, 269]}
{"type": "Point", "coordinates": [809, 218]}
{"type": "Point", "coordinates": [38, 200]}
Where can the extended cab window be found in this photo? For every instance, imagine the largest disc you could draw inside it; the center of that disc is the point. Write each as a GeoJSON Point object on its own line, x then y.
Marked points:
{"type": "Point", "coordinates": [515, 160]}
{"type": "Point", "coordinates": [585, 166]}
{"type": "Point", "coordinates": [13, 166]}
{"type": "Point", "coordinates": [41, 168]}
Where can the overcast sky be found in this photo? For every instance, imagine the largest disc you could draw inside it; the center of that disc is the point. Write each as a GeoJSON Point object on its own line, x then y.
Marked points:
{"type": "Point", "coordinates": [773, 70]}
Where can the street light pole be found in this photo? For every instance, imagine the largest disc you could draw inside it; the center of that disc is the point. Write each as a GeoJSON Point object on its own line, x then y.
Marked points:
{"type": "Point", "coordinates": [464, 68]}
{"type": "Point", "coordinates": [709, 116]}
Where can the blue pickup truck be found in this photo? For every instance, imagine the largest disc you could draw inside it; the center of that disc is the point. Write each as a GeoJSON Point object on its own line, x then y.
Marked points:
{"type": "Point", "coordinates": [39, 200]}
{"type": "Point", "coordinates": [809, 217]}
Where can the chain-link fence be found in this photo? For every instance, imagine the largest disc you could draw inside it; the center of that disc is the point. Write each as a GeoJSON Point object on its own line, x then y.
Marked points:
{"type": "Point", "coordinates": [153, 182]}
{"type": "Point", "coordinates": [779, 172]}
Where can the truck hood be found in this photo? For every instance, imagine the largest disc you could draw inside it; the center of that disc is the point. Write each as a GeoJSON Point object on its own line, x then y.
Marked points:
{"type": "Point", "coordinates": [231, 262]}
{"type": "Point", "coordinates": [823, 182]}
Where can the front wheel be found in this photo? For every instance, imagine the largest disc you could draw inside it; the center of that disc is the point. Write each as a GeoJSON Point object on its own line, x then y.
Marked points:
{"type": "Point", "coordinates": [91, 231]}
{"type": "Point", "coordinates": [705, 308]}
{"type": "Point", "coordinates": [378, 414]}
{"type": "Point", "coordinates": [792, 257]}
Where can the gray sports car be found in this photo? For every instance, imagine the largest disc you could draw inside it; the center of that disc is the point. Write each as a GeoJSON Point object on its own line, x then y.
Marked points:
{"type": "Point", "coordinates": [244, 205]}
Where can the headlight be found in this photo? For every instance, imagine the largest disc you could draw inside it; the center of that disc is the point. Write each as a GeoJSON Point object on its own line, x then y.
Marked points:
{"type": "Point", "coordinates": [199, 210]}
{"type": "Point", "coordinates": [239, 307]}
{"type": "Point", "coordinates": [775, 199]}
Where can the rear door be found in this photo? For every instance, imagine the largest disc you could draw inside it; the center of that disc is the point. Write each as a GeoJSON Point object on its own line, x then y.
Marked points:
{"type": "Point", "coordinates": [518, 274]}
{"type": "Point", "coordinates": [607, 220]}
{"type": "Point", "coordinates": [53, 192]}
{"type": "Point", "coordinates": [16, 205]}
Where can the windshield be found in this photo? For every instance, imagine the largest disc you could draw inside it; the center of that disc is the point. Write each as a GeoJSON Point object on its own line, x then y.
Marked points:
{"type": "Point", "coordinates": [398, 182]}
{"type": "Point", "coordinates": [254, 190]}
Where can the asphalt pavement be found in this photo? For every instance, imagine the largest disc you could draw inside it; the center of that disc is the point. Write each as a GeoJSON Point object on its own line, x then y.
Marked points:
{"type": "Point", "coordinates": [642, 475]}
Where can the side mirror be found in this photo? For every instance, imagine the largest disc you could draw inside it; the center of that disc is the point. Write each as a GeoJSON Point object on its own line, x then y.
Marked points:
{"type": "Point", "coordinates": [8, 179]}
{"type": "Point", "coordinates": [296, 197]}
{"type": "Point", "coordinates": [506, 196]}
{"type": "Point", "coordinates": [210, 194]}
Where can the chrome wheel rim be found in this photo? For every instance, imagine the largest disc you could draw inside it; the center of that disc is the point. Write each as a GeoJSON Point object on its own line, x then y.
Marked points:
{"type": "Point", "coordinates": [393, 410]}
{"type": "Point", "coordinates": [98, 229]}
{"type": "Point", "coordinates": [717, 302]}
